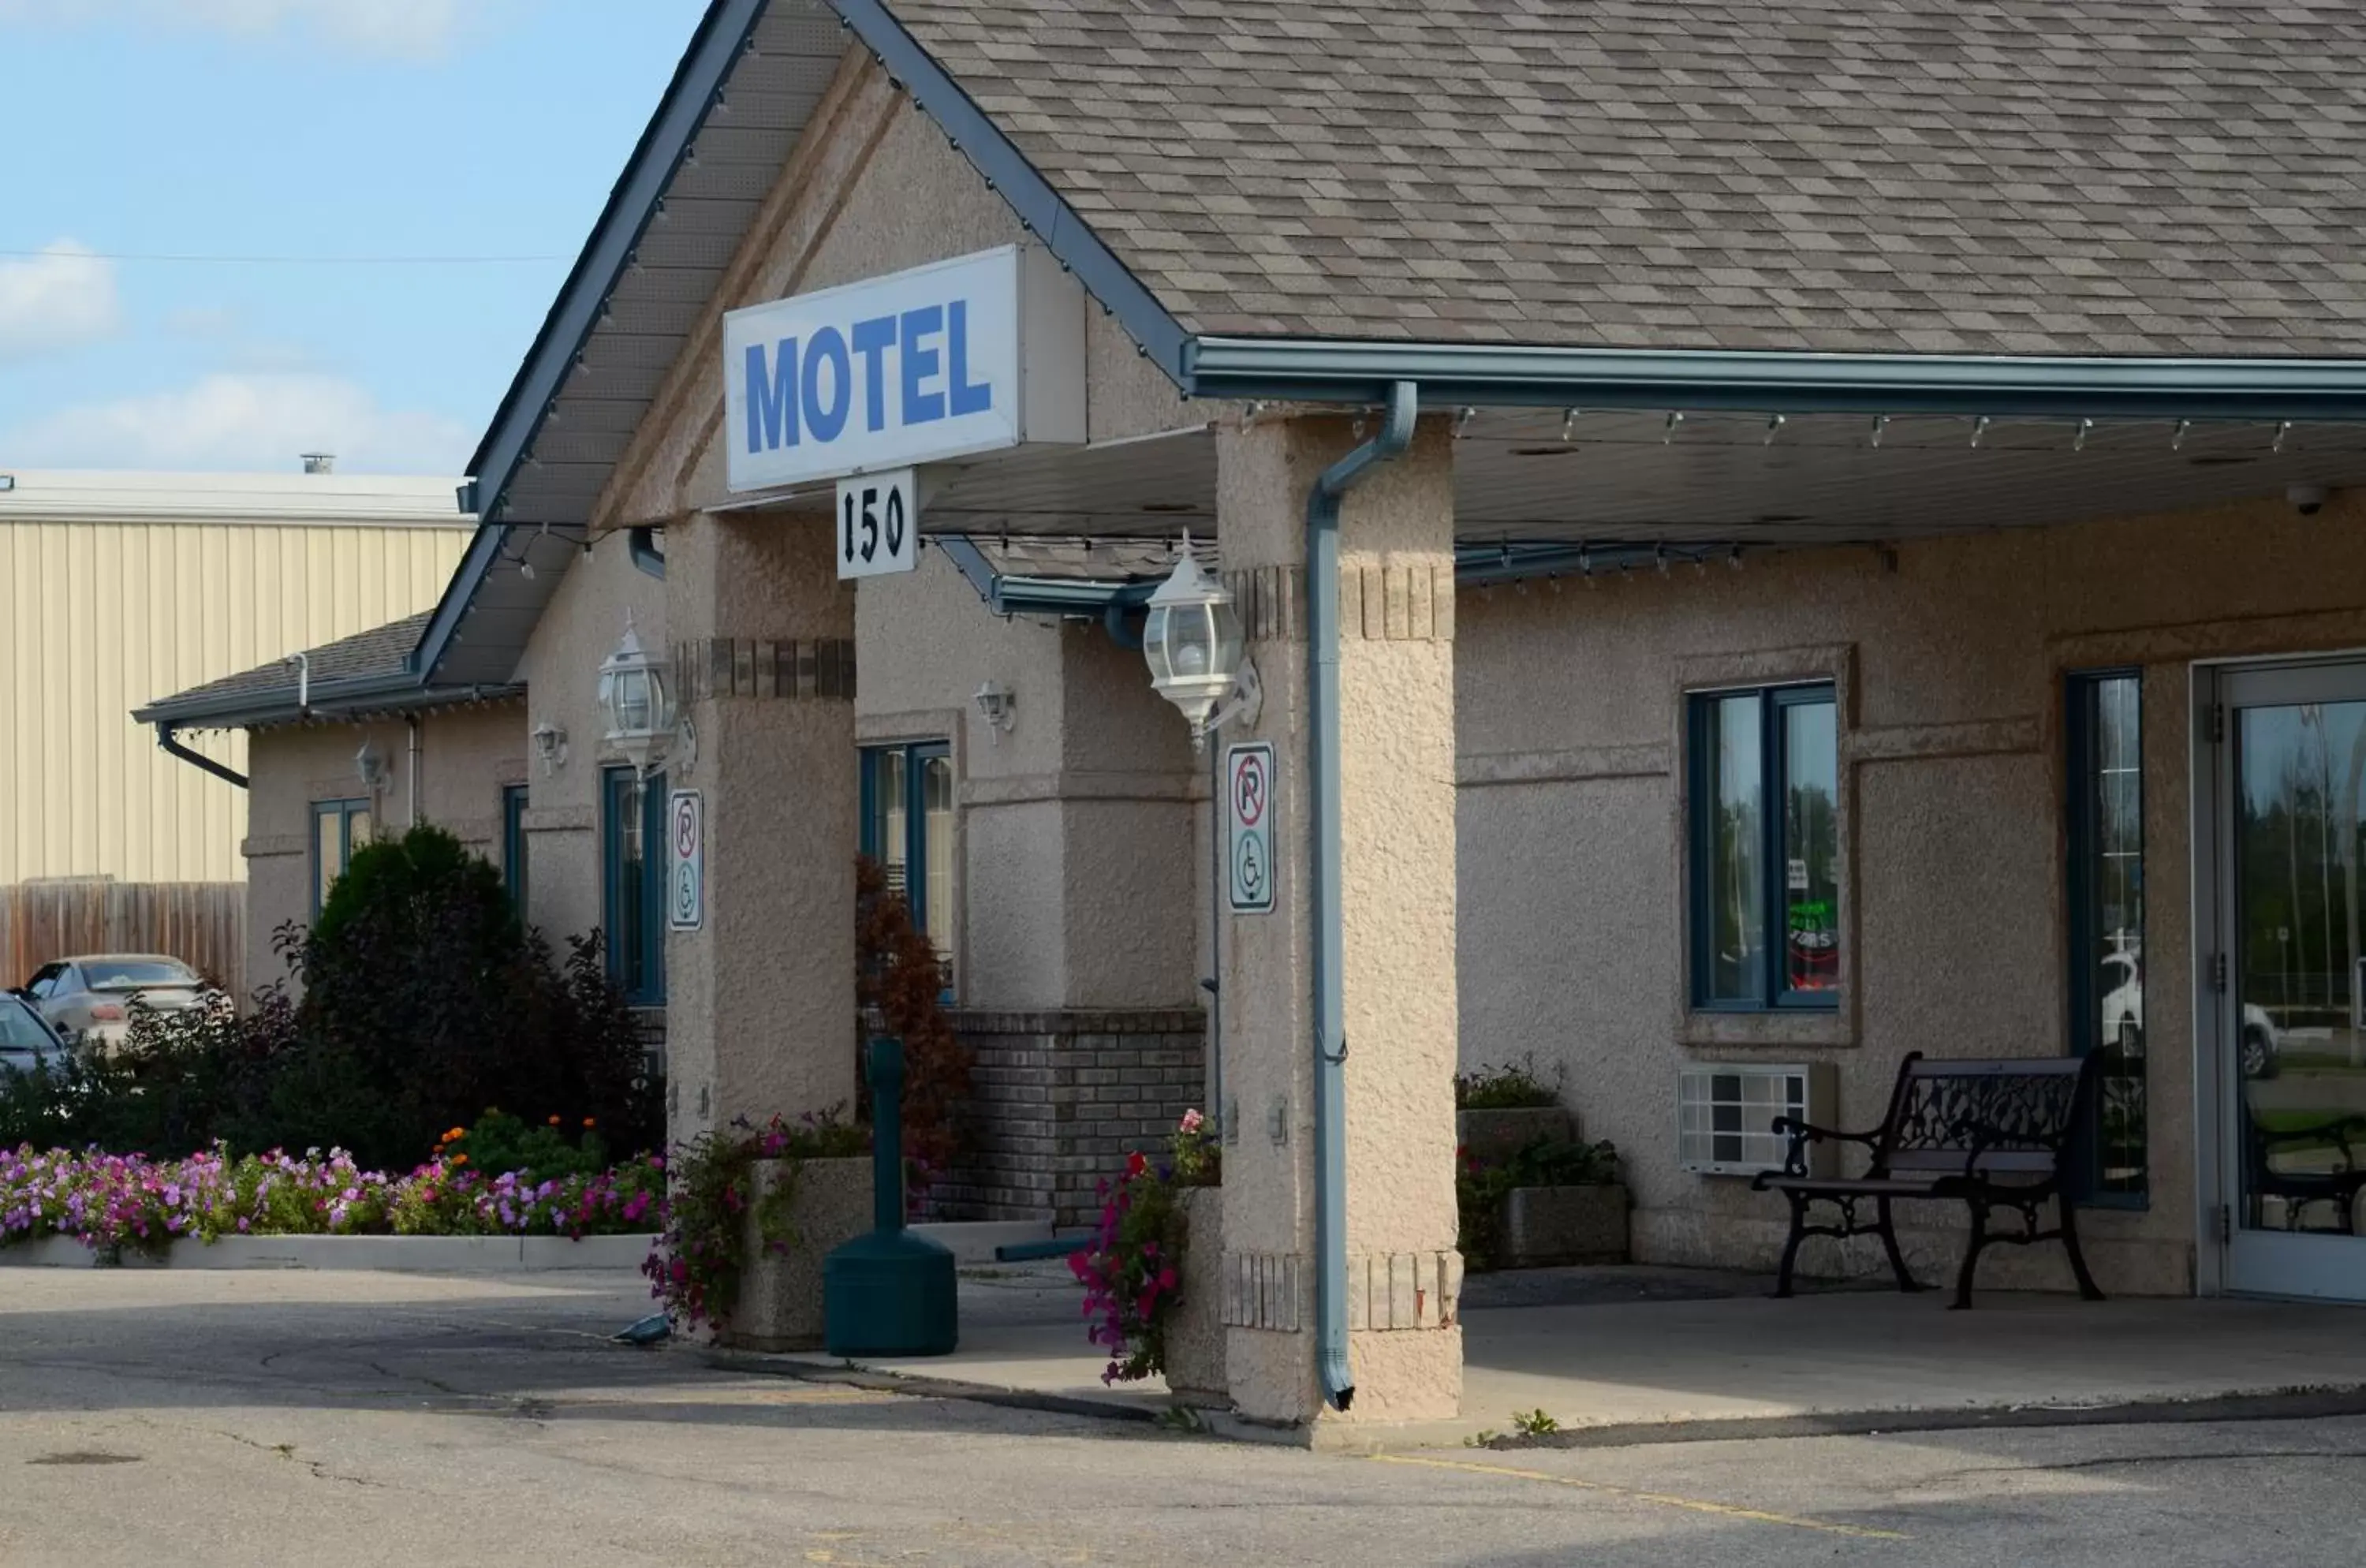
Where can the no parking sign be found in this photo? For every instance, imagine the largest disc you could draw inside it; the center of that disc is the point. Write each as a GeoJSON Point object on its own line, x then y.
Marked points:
{"type": "Point", "coordinates": [686, 838]}
{"type": "Point", "coordinates": [1248, 837]}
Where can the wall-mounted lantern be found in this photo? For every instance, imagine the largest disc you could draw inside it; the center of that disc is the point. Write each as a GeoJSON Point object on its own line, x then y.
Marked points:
{"type": "Point", "coordinates": [369, 767]}
{"type": "Point", "coordinates": [549, 747]}
{"type": "Point", "coordinates": [1192, 644]}
{"type": "Point", "coordinates": [998, 704]}
{"type": "Point", "coordinates": [636, 698]}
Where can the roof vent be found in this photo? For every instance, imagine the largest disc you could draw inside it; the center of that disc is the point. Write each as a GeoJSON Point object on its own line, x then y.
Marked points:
{"type": "Point", "coordinates": [320, 462]}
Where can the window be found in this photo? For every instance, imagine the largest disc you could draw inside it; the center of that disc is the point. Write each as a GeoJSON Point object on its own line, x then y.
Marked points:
{"type": "Point", "coordinates": [2106, 897]}
{"type": "Point", "coordinates": [514, 798]}
{"type": "Point", "coordinates": [339, 827]}
{"type": "Point", "coordinates": [907, 827]}
{"type": "Point", "coordinates": [633, 842]}
{"type": "Point", "coordinates": [1764, 849]}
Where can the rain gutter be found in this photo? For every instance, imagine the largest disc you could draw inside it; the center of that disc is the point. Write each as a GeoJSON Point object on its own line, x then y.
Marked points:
{"type": "Point", "coordinates": [174, 747]}
{"type": "Point", "coordinates": [1330, 998]}
{"type": "Point", "coordinates": [2049, 386]}
{"type": "Point", "coordinates": [1109, 600]}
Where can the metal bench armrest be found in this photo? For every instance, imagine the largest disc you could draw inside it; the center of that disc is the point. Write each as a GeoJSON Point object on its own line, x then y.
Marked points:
{"type": "Point", "coordinates": [1802, 1133]}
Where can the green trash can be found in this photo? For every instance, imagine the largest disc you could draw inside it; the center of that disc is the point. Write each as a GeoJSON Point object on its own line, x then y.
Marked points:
{"type": "Point", "coordinates": [890, 1292]}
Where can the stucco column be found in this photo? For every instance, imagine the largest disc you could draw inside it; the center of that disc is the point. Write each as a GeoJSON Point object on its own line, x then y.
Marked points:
{"type": "Point", "coordinates": [760, 1002]}
{"type": "Point", "coordinates": [1396, 682]}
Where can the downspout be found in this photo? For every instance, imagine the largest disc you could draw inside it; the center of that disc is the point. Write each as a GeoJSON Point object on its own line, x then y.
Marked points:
{"type": "Point", "coordinates": [1212, 985]}
{"type": "Point", "coordinates": [641, 544]}
{"type": "Point", "coordinates": [410, 720]}
{"type": "Point", "coordinates": [167, 738]}
{"type": "Point", "coordinates": [1330, 1001]}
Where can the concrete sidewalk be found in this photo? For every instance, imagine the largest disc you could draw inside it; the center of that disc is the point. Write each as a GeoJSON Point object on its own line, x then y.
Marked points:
{"type": "Point", "coordinates": [1665, 1348]}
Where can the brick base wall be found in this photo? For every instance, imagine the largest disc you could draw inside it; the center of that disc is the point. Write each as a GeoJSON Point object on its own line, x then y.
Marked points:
{"type": "Point", "coordinates": [1058, 1099]}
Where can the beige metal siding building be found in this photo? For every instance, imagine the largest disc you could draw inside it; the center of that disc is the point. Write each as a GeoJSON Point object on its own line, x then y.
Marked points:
{"type": "Point", "coordinates": [119, 588]}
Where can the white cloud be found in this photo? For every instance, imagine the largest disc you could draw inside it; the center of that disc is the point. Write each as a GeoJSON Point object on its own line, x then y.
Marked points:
{"type": "Point", "coordinates": [63, 297]}
{"type": "Point", "coordinates": [404, 30]}
{"type": "Point", "coordinates": [244, 421]}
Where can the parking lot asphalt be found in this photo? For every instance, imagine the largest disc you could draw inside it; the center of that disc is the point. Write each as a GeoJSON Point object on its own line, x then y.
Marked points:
{"type": "Point", "coordinates": [357, 1418]}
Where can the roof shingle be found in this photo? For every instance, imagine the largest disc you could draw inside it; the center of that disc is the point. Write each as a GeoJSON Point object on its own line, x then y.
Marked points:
{"type": "Point", "coordinates": [381, 650]}
{"type": "Point", "coordinates": [2068, 176]}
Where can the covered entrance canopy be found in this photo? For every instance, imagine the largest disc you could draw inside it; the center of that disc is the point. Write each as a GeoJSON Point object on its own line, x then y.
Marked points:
{"type": "Point", "coordinates": [1704, 482]}
{"type": "Point", "coordinates": [1574, 289]}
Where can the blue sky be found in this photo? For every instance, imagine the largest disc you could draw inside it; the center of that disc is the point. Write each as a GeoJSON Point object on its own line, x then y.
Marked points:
{"type": "Point", "coordinates": [304, 129]}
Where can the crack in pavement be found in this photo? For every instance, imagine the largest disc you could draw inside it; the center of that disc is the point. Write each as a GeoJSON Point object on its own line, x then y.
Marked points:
{"type": "Point", "coordinates": [318, 1468]}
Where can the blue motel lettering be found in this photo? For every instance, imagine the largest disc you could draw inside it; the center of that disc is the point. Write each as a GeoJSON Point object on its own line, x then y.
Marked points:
{"type": "Point", "coordinates": [808, 390]}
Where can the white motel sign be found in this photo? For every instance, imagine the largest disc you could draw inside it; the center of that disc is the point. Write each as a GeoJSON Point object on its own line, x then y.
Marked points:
{"type": "Point", "coordinates": [949, 360]}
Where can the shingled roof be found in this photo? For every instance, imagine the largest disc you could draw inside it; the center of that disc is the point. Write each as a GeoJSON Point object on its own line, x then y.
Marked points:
{"type": "Point", "coordinates": [2055, 177]}
{"type": "Point", "coordinates": [369, 672]}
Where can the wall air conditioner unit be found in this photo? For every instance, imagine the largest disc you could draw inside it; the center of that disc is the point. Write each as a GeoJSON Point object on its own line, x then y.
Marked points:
{"type": "Point", "coordinates": [1726, 1110]}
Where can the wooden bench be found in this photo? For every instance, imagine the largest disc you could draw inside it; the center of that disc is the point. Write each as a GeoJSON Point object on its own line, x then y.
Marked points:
{"type": "Point", "coordinates": [1990, 1135]}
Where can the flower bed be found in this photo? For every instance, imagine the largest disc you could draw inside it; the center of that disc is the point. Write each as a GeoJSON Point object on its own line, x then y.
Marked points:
{"type": "Point", "coordinates": [110, 1202]}
{"type": "Point", "coordinates": [1133, 1272]}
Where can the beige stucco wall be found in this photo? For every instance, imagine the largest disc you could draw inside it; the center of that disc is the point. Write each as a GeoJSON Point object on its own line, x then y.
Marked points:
{"type": "Point", "coordinates": [1078, 832]}
{"type": "Point", "coordinates": [1952, 654]}
{"type": "Point", "coordinates": [466, 757]}
{"type": "Point", "coordinates": [581, 627]}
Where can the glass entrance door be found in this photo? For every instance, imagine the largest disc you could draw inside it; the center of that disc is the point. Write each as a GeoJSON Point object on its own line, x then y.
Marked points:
{"type": "Point", "coordinates": [2290, 1036]}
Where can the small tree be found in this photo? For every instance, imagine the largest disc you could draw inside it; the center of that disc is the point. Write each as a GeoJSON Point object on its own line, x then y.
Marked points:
{"type": "Point", "coordinates": [899, 976]}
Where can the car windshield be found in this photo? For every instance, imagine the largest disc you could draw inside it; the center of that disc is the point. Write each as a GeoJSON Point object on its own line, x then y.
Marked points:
{"type": "Point", "coordinates": [20, 1030]}
{"type": "Point", "coordinates": [130, 974]}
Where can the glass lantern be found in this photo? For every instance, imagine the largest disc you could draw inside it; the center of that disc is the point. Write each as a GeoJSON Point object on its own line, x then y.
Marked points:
{"type": "Point", "coordinates": [638, 706]}
{"type": "Point", "coordinates": [1193, 643]}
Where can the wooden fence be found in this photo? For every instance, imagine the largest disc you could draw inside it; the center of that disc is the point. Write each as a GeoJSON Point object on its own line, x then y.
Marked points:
{"type": "Point", "coordinates": [201, 923]}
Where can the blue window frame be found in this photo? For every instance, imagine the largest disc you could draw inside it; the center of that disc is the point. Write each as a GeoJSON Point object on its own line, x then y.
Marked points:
{"type": "Point", "coordinates": [633, 856]}
{"type": "Point", "coordinates": [2104, 728]}
{"type": "Point", "coordinates": [907, 827]}
{"type": "Point", "coordinates": [513, 801]}
{"type": "Point", "coordinates": [1764, 769]}
{"type": "Point", "coordinates": [339, 827]}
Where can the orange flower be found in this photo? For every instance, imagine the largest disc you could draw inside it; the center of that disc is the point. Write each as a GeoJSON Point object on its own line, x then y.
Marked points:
{"type": "Point", "coordinates": [554, 1120]}
{"type": "Point", "coordinates": [588, 1123]}
{"type": "Point", "coordinates": [459, 1159]}
{"type": "Point", "coordinates": [456, 1135]}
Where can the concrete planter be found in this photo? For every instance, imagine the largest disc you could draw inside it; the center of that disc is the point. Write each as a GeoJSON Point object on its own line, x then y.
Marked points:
{"type": "Point", "coordinates": [1548, 1226]}
{"type": "Point", "coordinates": [1493, 1135]}
{"type": "Point", "coordinates": [780, 1293]}
{"type": "Point", "coordinates": [1195, 1336]}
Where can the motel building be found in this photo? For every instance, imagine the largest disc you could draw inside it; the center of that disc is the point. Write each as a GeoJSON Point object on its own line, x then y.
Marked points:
{"type": "Point", "coordinates": [1753, 552]}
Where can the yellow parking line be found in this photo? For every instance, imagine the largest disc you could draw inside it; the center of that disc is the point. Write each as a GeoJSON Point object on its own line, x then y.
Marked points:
{"type": "Point", "coordinates": [1665, 1499]}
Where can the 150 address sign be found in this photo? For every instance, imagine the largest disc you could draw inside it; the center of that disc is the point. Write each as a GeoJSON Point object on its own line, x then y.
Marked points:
{"type": "Point", "coordinates": [878, 524]}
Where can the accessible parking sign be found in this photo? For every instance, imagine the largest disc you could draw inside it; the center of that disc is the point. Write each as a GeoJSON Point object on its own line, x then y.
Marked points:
{"type": "Point", "coordinates": [1248, 837]}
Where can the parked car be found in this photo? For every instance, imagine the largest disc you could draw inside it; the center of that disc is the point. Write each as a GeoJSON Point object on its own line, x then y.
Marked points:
{"type": "Point", "coordinates": [90, 998]}
{"type": "Point", "coordinates": [2122, 984]}
{"type": "Point", "coordinates": [25, 1041]}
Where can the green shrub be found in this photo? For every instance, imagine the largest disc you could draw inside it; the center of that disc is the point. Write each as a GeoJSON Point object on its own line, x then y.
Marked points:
{"type": "Point", "coordinates": [424, 1001]}
{"type": "Point", "coordinates": [1507, 1088]}
{"type": "Point", "coordinates": [1479, 1190]}
{"type": "Point", "coordinates": [497, 1141]}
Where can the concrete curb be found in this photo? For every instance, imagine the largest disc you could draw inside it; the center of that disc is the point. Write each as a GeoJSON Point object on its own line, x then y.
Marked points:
{"type": "Point", "coordinates": [386, 1254]}
{"type": "Point", "coordinates": [1351, 1439]}
{"type": "Point", "coordinates": [855, 1375]}
{"type": "Point", "coordinates": [2295, 1403]}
